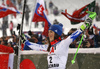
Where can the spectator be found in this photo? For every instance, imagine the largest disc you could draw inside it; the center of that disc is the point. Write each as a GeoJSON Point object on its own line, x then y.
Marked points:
{"type": "Point", "coordinates": [96, 39]}
{"type": "Point", "coordinates": [5, 20]}
{"type": "Point", "coordinates": [99, 14]}
{"type": "Point", "coordinates": [27, 11]}
{"type": "Point", "coordinates": [51, 6]}
{"type": "Point", "coordinates": [35, 37]}
{"type": "Point", "coordinates": [55, 21]}
{"type": "Point", "coordinates": [30, 33]}
{"type": "Point", "coordinates": [36, 24]}
{"type": "Point", "coordinates": [73, 44]}
{"type": "Point", "coordinates": [97, 11]}
{"type": "Point", "coordinates": [9, 44]}
{"type": "Point", "coordinates": [90, 37]}
{"type": "Point", "coordinates": [46, 10]}
{"type": "Point", "coordinates": [4, 42]}
{"type": "Point", "coordinates": [11, 27]}
{"type": "Point", "coordinates": [55, 11]}
{"type": "Point", "coordinates": [4, 27]}
{"type": "Point", "coordinates": [19, 4]}
{"type": "Point", "coordinates": [46, 40]}
{"type": "Point", "coordinates": [86, 44]}
{"type": "Point", "coordinates": [43, 24]}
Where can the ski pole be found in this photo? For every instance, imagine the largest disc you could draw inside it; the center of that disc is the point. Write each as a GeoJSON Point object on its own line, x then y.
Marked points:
{"type": "Point", "coordinates": [73, 61]}
{"type": "Point", "coordinates": [92, 15]}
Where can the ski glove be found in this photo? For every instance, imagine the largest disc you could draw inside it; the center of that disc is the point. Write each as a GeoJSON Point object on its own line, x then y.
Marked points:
{"type": "Point", "coordinates": [88, 21]}
{"type": "Point", "coordinates": [23, 39]}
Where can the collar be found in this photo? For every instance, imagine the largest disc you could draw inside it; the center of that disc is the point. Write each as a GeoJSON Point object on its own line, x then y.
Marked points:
{"type": "Point", "coordinates": [55, 41]}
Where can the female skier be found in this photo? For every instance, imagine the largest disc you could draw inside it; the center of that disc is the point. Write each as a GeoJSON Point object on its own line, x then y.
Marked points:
{"type": "Point", "coordinates": [57, 48]}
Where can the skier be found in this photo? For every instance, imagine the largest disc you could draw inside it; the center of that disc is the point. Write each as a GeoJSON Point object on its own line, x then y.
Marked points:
{"type": "Point", "coordinates": [57, 48]}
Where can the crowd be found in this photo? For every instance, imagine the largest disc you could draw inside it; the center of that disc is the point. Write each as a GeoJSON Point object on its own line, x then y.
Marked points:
{"type": "Point", "coordinates": [91, 38]}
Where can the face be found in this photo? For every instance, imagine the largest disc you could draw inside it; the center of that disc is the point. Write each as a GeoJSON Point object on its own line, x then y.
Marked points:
{"type": "Point", "coordinates": [51, 35]}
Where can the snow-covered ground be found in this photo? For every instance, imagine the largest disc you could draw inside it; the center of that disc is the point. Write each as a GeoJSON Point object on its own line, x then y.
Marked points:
{"type": "Point", "coordinates": [70, 5]}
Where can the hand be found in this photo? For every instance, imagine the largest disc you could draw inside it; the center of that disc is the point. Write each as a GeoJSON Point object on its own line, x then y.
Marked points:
{"type": "Point", "coordinates": [23, 39]}
{"type": "Point", "coordinates": [88, 22]}
{"type": "Point", "coordinates": [92, 15]}
{"type": "Point", "coordinates": [88, 44]}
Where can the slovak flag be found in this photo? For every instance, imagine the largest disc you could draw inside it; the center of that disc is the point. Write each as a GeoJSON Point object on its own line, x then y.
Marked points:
{"type": "Point", "coordinates": [6, 57]}
{"type": "Point", "coordinates": [40, 16]}
{"type": "Point", "coordinates": [4, 11]}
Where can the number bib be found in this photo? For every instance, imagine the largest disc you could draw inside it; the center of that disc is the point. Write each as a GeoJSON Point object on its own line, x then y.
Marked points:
{"type": "Point", "coordinates": [54, 61]}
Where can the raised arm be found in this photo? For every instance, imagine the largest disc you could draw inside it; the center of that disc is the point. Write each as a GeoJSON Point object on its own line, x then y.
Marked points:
{"type": "Point", "coordinates": [35, 46]}
{"type": "Point", "coordinates": [87, 24]}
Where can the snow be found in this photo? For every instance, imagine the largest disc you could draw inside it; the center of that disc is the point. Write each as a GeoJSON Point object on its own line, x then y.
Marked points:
{"type": "Point", "coordinates": [70, 5]}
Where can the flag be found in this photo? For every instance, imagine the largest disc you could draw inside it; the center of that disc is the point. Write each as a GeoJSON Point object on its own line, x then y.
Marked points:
{"type": "Point", "coordinates": [6, 57]}
{"type": "Point", "coordinates": [80, 15]}
{"type": "Point", "coordinates": [40, 16]}
{"type": "Point", "coordinates": [4, 11]}
{"type": "Point", "coordinates": [10, 4]}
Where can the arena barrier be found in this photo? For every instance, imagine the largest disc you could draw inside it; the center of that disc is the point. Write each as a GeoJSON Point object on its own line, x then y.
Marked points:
{"type": "Point", "coordinates": [87, 58]}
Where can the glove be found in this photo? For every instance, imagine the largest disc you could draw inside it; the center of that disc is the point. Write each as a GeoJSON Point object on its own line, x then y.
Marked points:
{"type": "Point", "coordinates": [92, 15]}
{"type": "Point", "coordinates": [88, 21]}
{"type": "Point", "coordinates": [23, 39]}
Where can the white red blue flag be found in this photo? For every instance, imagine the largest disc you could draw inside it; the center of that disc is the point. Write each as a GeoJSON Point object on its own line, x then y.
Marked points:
{"type": "Point", "coordinates": [40, 16]}
{"type": "Point", "coordinates": [4, 11]}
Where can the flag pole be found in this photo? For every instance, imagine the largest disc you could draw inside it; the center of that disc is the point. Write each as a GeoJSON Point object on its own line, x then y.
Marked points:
{"type": "Point", "coordinates": [20, 32]}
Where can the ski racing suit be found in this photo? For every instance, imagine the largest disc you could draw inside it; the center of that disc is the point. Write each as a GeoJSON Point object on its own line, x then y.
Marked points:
{"type": "Point", "coordinates": [57, 57]}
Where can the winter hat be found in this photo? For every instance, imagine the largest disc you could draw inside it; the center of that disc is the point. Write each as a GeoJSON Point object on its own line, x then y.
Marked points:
{"type": "Point", "coordinates": [57, 28]}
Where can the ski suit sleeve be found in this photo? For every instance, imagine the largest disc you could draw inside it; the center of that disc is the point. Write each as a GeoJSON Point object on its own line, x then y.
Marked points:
{"type": "Point", "coordinates": [72, 37]}
{"type": "Point", "coordinates": [34, 46]}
